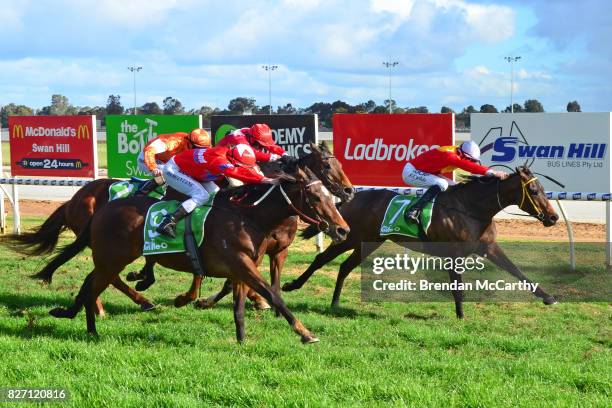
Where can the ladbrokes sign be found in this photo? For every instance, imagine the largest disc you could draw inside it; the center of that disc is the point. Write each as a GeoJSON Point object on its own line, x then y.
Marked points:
{"type": "Point", "coordinates": [374, 148]}
{"type": "Point", "coordinates": [63, 146]}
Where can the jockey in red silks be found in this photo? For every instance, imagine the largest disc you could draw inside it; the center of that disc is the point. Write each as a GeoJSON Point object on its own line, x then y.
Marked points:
{"type": "Point", "coordinates": [426, 170]}
{"type": "Point", "coordinates": [259, 137]}
{"type": "Point", "coordinates": [158, 151]}
{"type": "Point", "coordinates": [194, 173]}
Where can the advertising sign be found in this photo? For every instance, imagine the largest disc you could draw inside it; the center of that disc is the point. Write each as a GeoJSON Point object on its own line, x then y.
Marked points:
{"type": "Point", "coordinates": [62, 146]}
{"type": "Point", "coordinates": [374, 148]}
{"type": "Point", "coordinates": [126, 136]}
{"type": "Point", "coordinates": [573, 148]}
{"type": "Point", "coordinates": [292, 132]}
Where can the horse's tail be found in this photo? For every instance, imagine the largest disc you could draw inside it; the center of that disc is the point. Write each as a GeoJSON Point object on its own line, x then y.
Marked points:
{"type": "Point", "coordinates": [41, 240]}
{"type": "Point", "coordinates": [310, 232]}
{"type": "Point", "coordinates": [67, 253]}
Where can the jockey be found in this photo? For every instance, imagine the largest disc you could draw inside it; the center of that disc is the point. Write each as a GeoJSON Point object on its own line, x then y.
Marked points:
{"type": "Point", "coordinates": [194, 172]}
{"type": "Point", "coordinates": [159, 150]}
{"type": "Point", "coordinates": [425, 171]}
{"type": "Point", "coordinates": [259, 137]}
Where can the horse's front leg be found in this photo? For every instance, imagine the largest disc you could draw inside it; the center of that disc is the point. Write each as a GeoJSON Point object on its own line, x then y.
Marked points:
{"type": "Point", "coordinates": [495, 254]}
{"type": "Point", "coordinates": [457, 294]}
{"type": "Point", "coordinates": [192, 294]}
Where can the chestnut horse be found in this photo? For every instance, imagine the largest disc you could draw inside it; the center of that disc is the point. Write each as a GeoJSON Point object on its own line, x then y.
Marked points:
{"type": "Point", "coordinates": [76, 213]}
{"type": "Point", "coordinates": [463, 214]}
{"type": "Point", "coordinates": [234, 244]}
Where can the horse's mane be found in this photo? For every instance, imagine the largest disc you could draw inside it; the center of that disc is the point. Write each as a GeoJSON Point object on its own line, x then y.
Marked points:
{"type": "Point", "coordinates": [471, 181]}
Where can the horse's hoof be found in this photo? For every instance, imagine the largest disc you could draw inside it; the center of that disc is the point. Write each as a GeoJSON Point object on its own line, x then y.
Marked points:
{"type": "Point", "coordinates": [261, 305]}
{"type": "Point", "coordinates": [549, 300]}
{"type": "Point", "coordinates": [181, 300]}
{"type": "Point", "coordinates": [60, 312]}
{"type": "Point", "coordinates": [308, 339]}
{"type": "Point", "coordinates": [144, 285]}
{"type": "Point", "coordinates": [205, 304]}
{"type": "Point", "coordinates": [132, 276]}
{"type": "Point", "coordinates": [146, 306]}
{"type": "Point", "coordinates": [289, 286]}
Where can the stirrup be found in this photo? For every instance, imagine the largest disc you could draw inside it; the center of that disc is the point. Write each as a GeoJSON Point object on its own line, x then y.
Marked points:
{"type": "Point", "coordinates": [413, 215]}
{"type": "Point", "coordinates": [168, 228]}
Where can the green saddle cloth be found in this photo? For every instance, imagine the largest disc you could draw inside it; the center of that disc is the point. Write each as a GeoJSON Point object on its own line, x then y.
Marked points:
{"type": "Point", "coordinates": [394, 222]}
{"type": "Point", "coordinates": [156, 243]}
{"type": "Point", "coordinates": [127, 188]}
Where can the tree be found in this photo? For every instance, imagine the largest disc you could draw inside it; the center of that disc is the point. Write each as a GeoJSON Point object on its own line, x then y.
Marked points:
{"type": "Point", "coordinates": [533, 105]}
{"type": "Point", "coordinates": [419, 109]}
{"type": "Point", "coordinates": [206, 112]}
{"type": "Point", "coordinates": [288, 109]}
{"type": "Point", "coordinates": [114, 106]}
{"type": "Point", "coordinates": [392, 102]}
{"type": "Point", "coordinates": [487, 108]}
{"type": "Point", "coordinates": [150, 108]}
{"type": "Point", "coordinates": [173, 106]}
{"type": "Point", "coordinates": [517, 108]}
{"type": "Point", "coordinates": [462, 120]}
{"type": "Point", "coordinates": [59, 106]}
{"type": "Point", "coordinates": [573, 106]}
{"type": "Point", "coordinates": [446, 109]}
{"type": "Point", "coordinates": [323, 110]}
{"type": "Point", "coordinates": [342, 107]}
{"type": "Point", "coordinates": [14, 110]}
{"type": "Point", "coordinates": [241, 105]}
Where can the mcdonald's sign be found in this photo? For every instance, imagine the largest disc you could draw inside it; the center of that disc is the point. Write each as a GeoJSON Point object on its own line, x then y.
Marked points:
{"type": "Point", "coordinates": [83, 132]}
{"type": "Point", "coordinates": [53, 146]}
{"type": "Point", "coordinates": [17, 131]}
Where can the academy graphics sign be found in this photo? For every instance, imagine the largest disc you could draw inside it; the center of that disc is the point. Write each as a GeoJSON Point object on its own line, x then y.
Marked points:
{"type": "Point", "coordinates": [573, 148]}
{"type": "Point", "coordinates": [374, 148]}
{"type": "Point", "coordinates": [62, 146]}
{"type": "Point", "coordinates": [126, 136]}
{"type": "Point", "coordinates": [293, 133]}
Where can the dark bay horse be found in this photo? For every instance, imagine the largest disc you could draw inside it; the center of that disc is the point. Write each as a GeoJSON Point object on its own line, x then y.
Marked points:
{"type": "Point", "coordinates": [463, 214]}
{"type": "Point", "coordinates": [76, 213]}
{"type": "Point", "coordinates": [236, 234]}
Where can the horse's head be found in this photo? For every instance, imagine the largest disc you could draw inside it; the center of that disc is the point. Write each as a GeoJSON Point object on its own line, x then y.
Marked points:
{"type": "Point", "coordinates": [532, 197]}
{"type": "Point", "coordinates": [329, 170]}
{"type": "Point", "coordinates": [315, 203]}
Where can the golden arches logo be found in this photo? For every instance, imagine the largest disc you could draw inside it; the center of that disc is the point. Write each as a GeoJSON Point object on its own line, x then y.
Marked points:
{"type": "Point", "coordinates": [83, 132]}
{"type": "Point", "coordinates": [17, 131]}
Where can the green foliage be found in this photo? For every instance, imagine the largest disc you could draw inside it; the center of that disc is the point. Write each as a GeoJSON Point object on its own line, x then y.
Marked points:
{"type": "Point", "coordinates": [533, 105]}
{"type": "Point", "coordinates": [487, 108]}
{"type": "Point", "coordinates": [573, 106]}
{"type": "Point", "coordinates": [114, 106]}
{"type": "Point", "coordinates": [173, 106]}
{"type": "Point", "coordinates": [14, 110]}
{"type": "Point", "coordinates": [241, 105]}
{"type": "Point", "coordinates": [150, 108]}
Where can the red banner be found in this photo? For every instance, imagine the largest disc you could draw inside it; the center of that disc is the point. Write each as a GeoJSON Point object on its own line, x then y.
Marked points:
{"type": "Point", "coordinates": [62, 146]}
{"type": "Point", "coordinates": [374, 148]}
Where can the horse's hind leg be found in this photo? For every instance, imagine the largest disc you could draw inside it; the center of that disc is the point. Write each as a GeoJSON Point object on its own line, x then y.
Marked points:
{"type": "Point", "coordinates": [347, 266]}
{"type": "Point", "coordinates": [240, 290]}
{"type": "Point", "coordinates": [79, 301]}
{"type": "Point", "coordinates": [148, 276]}
{"type": "Point", "coordinates": [495, 254]}
{"type": "Point", "coordinates": [191, 295]}
{"type": "Point", "coordinates": [100, 279]}
{"type": "Point", "coordinates": [320, 260]}
{"type": "Point", "coordinates": [457, 294]}
{"type": "Point", "coordinates": [136, 297]}
{"type": "Point", "coordinates": [210, 302]}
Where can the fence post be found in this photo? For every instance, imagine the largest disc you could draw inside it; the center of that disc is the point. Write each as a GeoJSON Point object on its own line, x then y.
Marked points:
{"type": "Point", "coordinates": [16, 216]}
{"type": "Point", "coordinates": [570, 235]}
{"type": "Point", "coordinates": [608, 236]}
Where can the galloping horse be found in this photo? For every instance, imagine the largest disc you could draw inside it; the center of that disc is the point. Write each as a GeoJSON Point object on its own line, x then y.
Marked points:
{"type": "Point", "coordinates": [462, 214]}
{"type": "Point", "coordinates": [76, 213]}
{"type": "Point", "coordinates": [234, 244]}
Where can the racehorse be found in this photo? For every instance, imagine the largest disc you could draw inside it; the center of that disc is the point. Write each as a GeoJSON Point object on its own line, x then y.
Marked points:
{"type": "Point", "coordinates": [234, 245]}
{"type": "Point", "coordinates": [75, 213]}
{"type": "Point", "coordinates": [463, 214]}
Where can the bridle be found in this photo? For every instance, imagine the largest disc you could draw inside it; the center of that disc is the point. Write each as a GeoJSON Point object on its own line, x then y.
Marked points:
{"type": "Point", "coordinates": [524, 187]}
{"type": "Point", "coordinates": [321, 224]}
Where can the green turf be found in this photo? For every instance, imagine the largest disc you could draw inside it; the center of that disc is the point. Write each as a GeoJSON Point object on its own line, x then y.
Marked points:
{"type": "Point", "coordinates": [6, 161]}
{"type": "Point", "coordinates": [370, 354]}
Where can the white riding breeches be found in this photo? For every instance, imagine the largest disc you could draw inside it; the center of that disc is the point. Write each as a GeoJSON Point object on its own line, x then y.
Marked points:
{"type": "Point", "coordinates": [419, 178]}
{"type": "Point", "coordinates": [142, 166]}
{"type": "Point", "coordinates": [198, 192]}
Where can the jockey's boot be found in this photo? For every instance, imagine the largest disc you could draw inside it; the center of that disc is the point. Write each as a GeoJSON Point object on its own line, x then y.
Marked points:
{"type": "Point", "coordinates": [149, 186]}
{"type": "Point", "coordinates": [168, 224]}
{"type": "Point", "coordinates": [414, 212]}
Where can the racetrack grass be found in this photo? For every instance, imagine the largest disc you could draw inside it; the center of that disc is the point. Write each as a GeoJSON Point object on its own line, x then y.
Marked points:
{"type": "Point", "coordinates": [370, 354]}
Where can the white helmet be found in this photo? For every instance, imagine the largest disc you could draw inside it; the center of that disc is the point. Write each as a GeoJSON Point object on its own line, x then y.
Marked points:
{"type": "Point", "coordinates": [471, 150]}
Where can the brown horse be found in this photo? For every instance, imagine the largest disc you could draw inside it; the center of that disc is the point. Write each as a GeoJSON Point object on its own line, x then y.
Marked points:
{"type": "Point", "coordinates": [463, 214]}
{"type": "Point", "coordinates": [76, 213]}
{"type": "Point", "coordinates": [235, 243]}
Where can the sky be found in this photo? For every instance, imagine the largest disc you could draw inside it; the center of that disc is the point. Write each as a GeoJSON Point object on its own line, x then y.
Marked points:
{"type": "Point", "coordinates": [450, 52]}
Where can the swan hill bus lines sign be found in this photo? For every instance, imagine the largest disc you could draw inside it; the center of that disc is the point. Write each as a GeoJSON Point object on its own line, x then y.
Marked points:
{"type": "Point", "coordinates": [573, 148]}
{"type": "Point", "coordinates": [374, 148]}
{"type": "Point", "coordinates": [62, 146]}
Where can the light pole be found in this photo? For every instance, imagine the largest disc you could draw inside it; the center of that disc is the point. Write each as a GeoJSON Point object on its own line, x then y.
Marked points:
{"type": "Point", "coordinates": [270, 68]}
{"type": "Point", "coordinates": [390, 65]}
{"type": "Point", "coordinates": [134, 71]}
{"type": "Point", "coordinates": [512, 60]}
